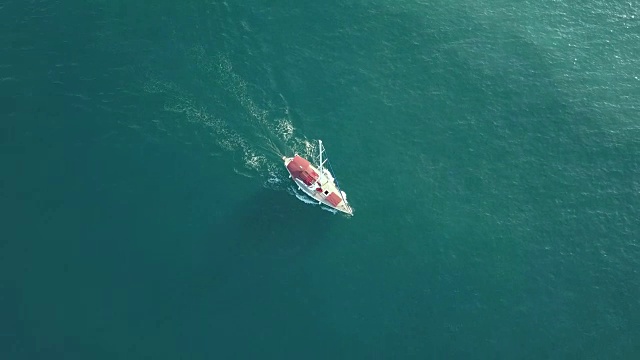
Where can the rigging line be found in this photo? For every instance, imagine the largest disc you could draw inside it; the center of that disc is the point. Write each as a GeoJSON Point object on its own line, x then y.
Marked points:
{"type": "Point", "coordinates": [334, 177]}
{"type": "Point", "coordinates": [269, 152]}
{"type": "Point", "coordinates": [270, 147]}
{"type": "Point", "coordinates": [275, 148]}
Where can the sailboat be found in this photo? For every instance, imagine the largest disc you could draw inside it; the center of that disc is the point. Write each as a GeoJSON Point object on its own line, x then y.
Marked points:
{"type": "Point", "coordinates": [317, 181]}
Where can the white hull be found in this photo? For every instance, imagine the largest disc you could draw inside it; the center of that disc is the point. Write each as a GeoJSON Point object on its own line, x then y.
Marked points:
{"type": "Point", "coordinates": [322, 189]}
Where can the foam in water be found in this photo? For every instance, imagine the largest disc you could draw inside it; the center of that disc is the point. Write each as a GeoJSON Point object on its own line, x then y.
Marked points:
{"type": "Point", "coordinates": [256, 138]}
{"type": "Point", "coordinates": [305, 199]}
{"type": "Point", "coordinates": [302, 197]}
{"type": "Point", "coordinates": [284, 128]}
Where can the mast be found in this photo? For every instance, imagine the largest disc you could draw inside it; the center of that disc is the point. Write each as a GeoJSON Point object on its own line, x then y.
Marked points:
{"type": "Point", "coordinates": [321, 150]}
{"type": "Point", "coordinates": [321, 168]}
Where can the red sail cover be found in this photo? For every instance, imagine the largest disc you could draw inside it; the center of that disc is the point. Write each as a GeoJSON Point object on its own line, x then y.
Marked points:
{"type": "Point", "coordinates": [334, 199]}
{"type": "Point", "coordinates": [301, 169]}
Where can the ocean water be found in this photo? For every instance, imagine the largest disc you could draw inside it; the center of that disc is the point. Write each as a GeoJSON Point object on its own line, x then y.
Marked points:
{"type": "Point", "coordinates": [490, 149]}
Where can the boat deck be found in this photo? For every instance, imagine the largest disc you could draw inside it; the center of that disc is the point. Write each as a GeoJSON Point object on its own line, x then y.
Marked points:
{"type": "Point", "coordinates": [324, 190]}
